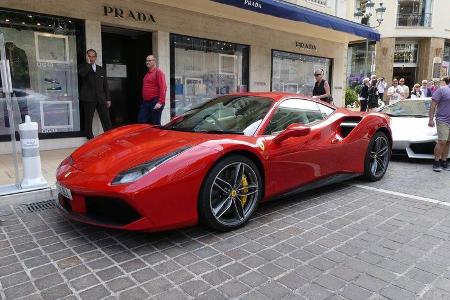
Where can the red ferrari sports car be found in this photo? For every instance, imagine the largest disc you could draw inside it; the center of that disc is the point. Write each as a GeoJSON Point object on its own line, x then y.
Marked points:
{"type": "Point", "coordinates": [216, 162]}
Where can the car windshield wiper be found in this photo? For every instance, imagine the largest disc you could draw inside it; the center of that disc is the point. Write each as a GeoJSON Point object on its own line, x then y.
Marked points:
{"type": "Point", "coordinates": [220, 131]}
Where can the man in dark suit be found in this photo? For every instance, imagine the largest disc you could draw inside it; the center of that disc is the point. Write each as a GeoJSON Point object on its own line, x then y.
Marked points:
{"type": "Point", "coordinates": [94, 93]}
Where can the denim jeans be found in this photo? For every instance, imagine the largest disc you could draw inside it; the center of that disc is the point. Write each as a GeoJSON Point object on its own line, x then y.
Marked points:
{"type": "Point", "coordinates": [149, 115]}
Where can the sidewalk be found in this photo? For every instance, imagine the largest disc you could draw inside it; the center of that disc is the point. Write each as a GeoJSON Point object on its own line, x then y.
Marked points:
{"type": "Point", "coordinates": [50, 160]}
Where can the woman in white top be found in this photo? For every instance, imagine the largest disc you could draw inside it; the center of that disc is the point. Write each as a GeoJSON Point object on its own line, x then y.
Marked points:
{"type": "Point", "coordinates": [381, 86]}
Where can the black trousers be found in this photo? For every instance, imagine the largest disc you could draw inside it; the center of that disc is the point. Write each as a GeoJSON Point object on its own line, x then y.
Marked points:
{"type": "Point", "coordinates": [103, 112]}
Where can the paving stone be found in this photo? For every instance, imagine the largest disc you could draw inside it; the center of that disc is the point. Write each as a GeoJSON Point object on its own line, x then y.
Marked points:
{"type": "Point", "coordinates": [133, 265]}
{"type": "Point", "coordinates": [20, 290]}
{"type": "Point", "coordinates": [96, 292]}
{"type": "Point", "coordinates": [56, 292]}
{"type": "Point", "coordinates": [157, 286]}
{"type": "Point", "coordinates": [48, 281]}
{"type": "Point", "coordinates": [14, 279]}
{"type": "Point", "coordinates": [216, 277]}
{"type": "Point", "coordinates": [370, 283]}
{"type": "Point", "coordinates": [144, 274]}
{"type": "Point", "coordinates": [180, 276]}
{"type": "Point", "coordinates": [75, 272]}
{"type": "Point", "coordinates": [395, 292]}
{"type": "Point", "coordinates": [308, 272]}
{"type": "Point", "coordinates": [421, 276]}
{"type": "Point", "coordinates": [194, 287]}
{"type": "Point", "coordinates": [409, 284]}
{"type": "Point", "coordinates": [274, 290]}
{"type": "Point", "coordinates": [84, 282]}
{"type": "Point", "coordinates": [173, 294]}
{"type": "Point", "coordinates": [212, 294]}
{"type": "Point", "coordinates": [43, 271]}
{"type": "Point", "coordinates": [271, 270]}
{"type": "Point", "coordinates": [330, 282]}
{"type": "Point", "coordinates": [234, 269]}
{"type": "Point", "coordinates": [233, 288]}
{"type": "Point", "coordinates": [292, 281]}
{"type": "Point", "coordinates": [354, 292]}
{"type": "Point", "coordinates": [110, 273]}
{"type": "Point", "coordinates": [134, 293]}
{"type": "Point", "coordinates": [314, 291]}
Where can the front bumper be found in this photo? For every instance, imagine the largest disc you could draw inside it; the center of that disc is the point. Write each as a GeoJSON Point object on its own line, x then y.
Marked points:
{"type": "Point", "coordinates": [423, 149]}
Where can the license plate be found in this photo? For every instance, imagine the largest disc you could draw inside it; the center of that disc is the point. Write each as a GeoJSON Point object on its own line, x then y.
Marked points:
{"type": "Point", "coordinates": [64, 191]}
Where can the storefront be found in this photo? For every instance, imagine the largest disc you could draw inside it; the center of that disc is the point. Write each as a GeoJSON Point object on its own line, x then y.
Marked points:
{"type": "Point", "coordinates": [205, 48]}
{"type": "Point", "coordinates": [43, 52]}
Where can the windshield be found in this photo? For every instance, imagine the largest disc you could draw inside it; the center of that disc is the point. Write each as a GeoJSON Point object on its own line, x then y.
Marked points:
{"type": "Point", "coordinates": [408, 108]}
{"type": "Point", "coordinates": [226, 114]}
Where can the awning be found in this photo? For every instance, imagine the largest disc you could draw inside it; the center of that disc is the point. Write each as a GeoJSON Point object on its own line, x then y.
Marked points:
{"type": "Point", "coordinates": [293, 12]}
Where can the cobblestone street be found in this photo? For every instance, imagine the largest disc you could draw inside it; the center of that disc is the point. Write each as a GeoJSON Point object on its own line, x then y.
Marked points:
{"type": "Point", "coordinates": [344, 242]}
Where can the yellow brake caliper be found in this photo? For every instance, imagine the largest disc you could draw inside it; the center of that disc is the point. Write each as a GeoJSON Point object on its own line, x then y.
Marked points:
{"type": "Point", "coordinates": [244, 183]}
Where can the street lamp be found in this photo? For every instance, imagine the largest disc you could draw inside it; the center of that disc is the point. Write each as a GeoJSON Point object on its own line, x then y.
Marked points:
{"type": "Point", "coordinates": [364, 15]}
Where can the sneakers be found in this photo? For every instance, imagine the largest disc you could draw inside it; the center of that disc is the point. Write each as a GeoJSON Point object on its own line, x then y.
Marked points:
{"type": "Point", "coordinates": [445, 166]}
{"type": "Point", "coordinates": [437, 166]}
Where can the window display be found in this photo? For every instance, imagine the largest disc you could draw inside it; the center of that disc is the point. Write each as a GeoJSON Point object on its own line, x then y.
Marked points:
{"type": "Point", "coordinates": [294, 73]}
{"type": "Point", "coordinates": [42, 51]}
{"type": "Point", "coordinates": [356, 60]}
{"type": "Point", "coordinates": [202, 69]}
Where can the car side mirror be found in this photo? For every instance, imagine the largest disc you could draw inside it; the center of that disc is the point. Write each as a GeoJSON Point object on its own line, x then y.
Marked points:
{"type": "Point", "coordinates": [293, 130]}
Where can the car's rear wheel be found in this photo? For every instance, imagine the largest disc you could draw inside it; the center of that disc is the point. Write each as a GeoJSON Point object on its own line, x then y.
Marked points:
{"type": "Point", "coordinates": [377, 157]}
{"type": "Point", "coordinates": [230, 193]}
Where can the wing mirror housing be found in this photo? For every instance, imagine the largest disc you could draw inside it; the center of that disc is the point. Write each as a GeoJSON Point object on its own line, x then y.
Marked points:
{"type": "Point", "coordinates": [293, 130]}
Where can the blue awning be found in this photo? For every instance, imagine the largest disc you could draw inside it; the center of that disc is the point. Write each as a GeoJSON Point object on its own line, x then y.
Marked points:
{"type": "Point", "coordinates": [294, 12]}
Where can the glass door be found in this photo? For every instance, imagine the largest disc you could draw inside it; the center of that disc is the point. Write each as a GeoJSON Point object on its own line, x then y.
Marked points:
{"type": "Point", "coordinates": [11, 169]}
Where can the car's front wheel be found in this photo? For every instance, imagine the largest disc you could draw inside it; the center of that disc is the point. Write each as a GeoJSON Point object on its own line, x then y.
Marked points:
{"type": "Point", "coordinates": [377, 157]}
{"type": "Point", "coordinates": [230, 193]}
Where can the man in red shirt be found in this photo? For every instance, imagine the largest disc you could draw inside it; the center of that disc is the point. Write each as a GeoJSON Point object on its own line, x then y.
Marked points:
{"type": "Point", "coordinates": [153, 93]}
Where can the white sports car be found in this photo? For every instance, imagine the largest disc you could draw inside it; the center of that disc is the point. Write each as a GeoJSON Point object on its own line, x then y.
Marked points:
{"type": "Point", "coordinates": [410, 131]}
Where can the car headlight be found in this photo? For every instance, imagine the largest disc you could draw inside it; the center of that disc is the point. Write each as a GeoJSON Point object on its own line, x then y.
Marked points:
{"type": "Point", "coordinates": [137, 172]}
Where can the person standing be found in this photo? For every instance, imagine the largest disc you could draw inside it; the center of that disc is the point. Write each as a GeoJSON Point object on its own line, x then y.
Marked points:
{"type": "Point", "coordinates": [153, 93]}
{"type": "Point", "coordinates": [364, 94]}
{"type": "Point", "coordinates": [372, 99]}
{"type": "Point", "coordinates": [425, 90]}
{"type": "Point", "coordinates": [321, 89]}
{"type": "Point", "coordinates": [94, 93]}
{"type": "Point", "coordinates": [381, 87]}
{"type": "Point", "coordinates": [405, 88]}
{"type": "Point", "coordinates": [416, 92]}
{"type": "Point", "coordinates": [395, 92]}
{"type": "Point", "coordinates": [441, 105]}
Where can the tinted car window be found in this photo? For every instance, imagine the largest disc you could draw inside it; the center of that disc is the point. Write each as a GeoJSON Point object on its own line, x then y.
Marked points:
{"type": "Point", "coordinates": [325, 110]}
{"type": "Point", "coordinates": [226, 114]}
{"type": "Point", "coordinates": [409, 108]}
{"type": "Point", "coordinates": [294, 111]}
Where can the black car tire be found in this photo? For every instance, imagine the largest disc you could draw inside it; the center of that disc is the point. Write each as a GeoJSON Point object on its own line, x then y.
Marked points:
{"type": "Point", "coordinates": [369, 174]}
{"type": "Point", "coordinates": [205, 202]}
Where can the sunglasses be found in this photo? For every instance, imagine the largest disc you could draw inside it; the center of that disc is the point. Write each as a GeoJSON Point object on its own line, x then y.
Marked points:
{"type": "Point", "coordinates": [317, 74]}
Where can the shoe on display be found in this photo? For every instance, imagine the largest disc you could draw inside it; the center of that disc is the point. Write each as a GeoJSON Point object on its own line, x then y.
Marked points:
{"type": "Point", "coordinates": [49, 80]}
{"type": "Point", "coordinates": [54, 88]}
{"type": "Point", "coordinates": [437, 166]}
{"type": "Point", "coordinates": [445, 166]}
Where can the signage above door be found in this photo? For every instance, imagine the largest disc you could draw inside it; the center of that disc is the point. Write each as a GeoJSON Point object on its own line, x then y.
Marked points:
{"type": "Point", "coordinates": [117, 12]}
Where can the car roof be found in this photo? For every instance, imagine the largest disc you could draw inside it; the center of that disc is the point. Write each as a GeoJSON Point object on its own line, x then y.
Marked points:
{"type": "Point", "coordinates": [279, 96]}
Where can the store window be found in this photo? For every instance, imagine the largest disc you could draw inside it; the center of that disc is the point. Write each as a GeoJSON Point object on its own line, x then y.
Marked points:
{"type": "Point", "coordinates": [42, 51]}
{"type": "Point", "coordinates": [446, 60]}
{"type": "Point", "coordinates": [406, 52]}
{"type": "Point", "coordinates": [203, 69]}
{"type": "Point", "coordinates": [294, 73]}
{"type": "Point", "coordinates": [357, 65]}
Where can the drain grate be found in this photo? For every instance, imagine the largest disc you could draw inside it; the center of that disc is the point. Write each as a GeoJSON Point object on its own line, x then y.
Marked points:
{"type": "Point", "coordinates": [37, 206]}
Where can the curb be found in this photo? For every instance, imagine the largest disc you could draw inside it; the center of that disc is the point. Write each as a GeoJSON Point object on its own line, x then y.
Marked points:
{"type": "Point", "coordinates": [29, 196]}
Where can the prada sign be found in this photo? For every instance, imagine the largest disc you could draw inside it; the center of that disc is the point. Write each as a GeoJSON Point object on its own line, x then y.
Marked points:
{"type": "Point", "coordinates": [253, 3]}
{"type": "Point", "coordinates": [117, 12]}
{"type": "Point", "coordinates": [307, 46]}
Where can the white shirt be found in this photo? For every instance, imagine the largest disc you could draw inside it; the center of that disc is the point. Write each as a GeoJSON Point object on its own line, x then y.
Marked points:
{"type": "Point", "coordinates": [381, 86]}
{"type": "Point", "coordinates": [94, 67]}
{"type": "Point", "coordinates": [395, 92]}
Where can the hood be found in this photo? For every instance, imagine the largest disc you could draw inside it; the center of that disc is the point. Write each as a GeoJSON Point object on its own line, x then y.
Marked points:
{"type": "Point", "coordinates": [411, 129]}
{"type": "Point", "coordinates": [120, 150]}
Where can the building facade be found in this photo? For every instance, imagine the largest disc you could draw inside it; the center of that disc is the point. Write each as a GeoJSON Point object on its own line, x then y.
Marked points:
{"type": "Point", "coordinates": [415, 42]}
{"type": "Point", "coordinates": [205, 48]}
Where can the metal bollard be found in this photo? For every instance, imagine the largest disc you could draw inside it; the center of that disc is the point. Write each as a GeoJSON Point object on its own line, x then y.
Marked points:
{"type": "Point", "coordinates": [31, 159]}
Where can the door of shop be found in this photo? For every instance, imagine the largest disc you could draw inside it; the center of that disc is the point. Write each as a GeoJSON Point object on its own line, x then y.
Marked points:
{"type": "Point", "coordinates": [408, 73]}
{"type": "Point", "coordinates": [124, 53]}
